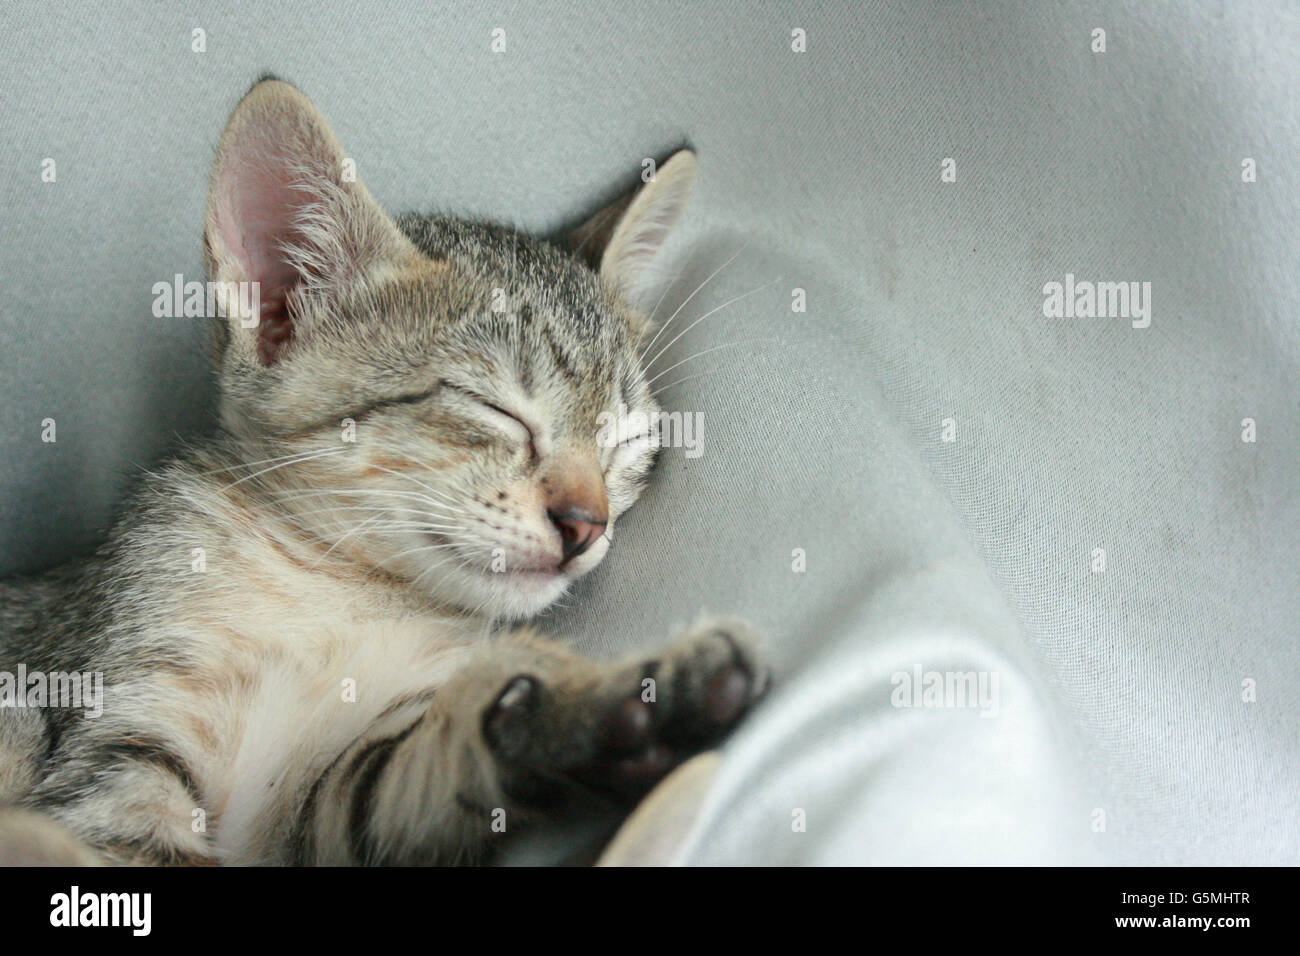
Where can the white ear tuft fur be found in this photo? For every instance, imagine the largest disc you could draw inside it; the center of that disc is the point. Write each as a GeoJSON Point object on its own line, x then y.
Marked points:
{"type": "Point", "coordinates": [622, 241]}
{"type": "Point", "coordinates": [283, 214]}
{"type": "Point", "coordinates": [629, 259]}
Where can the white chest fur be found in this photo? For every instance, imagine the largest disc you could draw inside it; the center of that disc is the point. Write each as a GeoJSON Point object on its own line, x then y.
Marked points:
{"type": "Point", "coordinates": [316, 687]}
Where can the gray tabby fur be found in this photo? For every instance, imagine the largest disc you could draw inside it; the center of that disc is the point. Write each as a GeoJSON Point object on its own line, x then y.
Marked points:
{"type": "Point", "coordinates": [298, 631]}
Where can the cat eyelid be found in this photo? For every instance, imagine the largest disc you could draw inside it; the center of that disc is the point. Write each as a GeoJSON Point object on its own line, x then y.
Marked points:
{"type": "Point", "coordinates": [631, 446]}
{"type": "Point", "coordinates": [493, 406]}
{"type": "Point", "coordinates": [487, 402]}
{"type": "Point", "coordinates": [413, 398]}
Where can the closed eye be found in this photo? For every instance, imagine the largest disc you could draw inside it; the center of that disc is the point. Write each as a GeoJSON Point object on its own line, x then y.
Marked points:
{"type": "Point", "coordinates": [411, 398]}
{"type": "Point", "coordinates": [631, 449]}
{"type": "Point", "coordinates": [507, 420]}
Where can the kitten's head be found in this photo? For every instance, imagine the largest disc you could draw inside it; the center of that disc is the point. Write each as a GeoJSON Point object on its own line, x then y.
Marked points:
{"type": "Point", "coordinates": [451, 404]}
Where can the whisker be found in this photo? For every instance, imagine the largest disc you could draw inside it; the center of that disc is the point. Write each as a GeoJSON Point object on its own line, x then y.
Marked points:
{"type": "Point", "coordinates": [364, 491]}
{"type": "Point", "coordinates": [683, 305]}
{"type": "Point", "coordinates": [416, 580]}
{"type": "Point", "coordinates": [668, 284]}
{"type": "Point", "coordinates": [689, 358]}
{"type": "Point", "coordinates": [264, 461]}
{"type": "Point", "coordinates": [339, 509]}
{"type": "Point", "coordinates": [298, 460]}
{"type": "Point", "coordinates": [341, 540]}
{"type": "Point", "coordinates": [663, 388]}
{"type": "Point", "coordinates": [423, 547]}
{"type": "Point", "coordinates": [432, 491]}
{"type": "Point", "coordinates": [744, 295]}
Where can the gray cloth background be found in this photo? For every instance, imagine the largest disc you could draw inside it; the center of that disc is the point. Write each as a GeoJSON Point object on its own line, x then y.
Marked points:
{"type": "Point", "coordinates": [1121, 732]}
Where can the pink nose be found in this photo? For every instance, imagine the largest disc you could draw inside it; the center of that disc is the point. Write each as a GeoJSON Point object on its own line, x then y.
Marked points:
{"type": "Point", "coordinates": [578, 529]}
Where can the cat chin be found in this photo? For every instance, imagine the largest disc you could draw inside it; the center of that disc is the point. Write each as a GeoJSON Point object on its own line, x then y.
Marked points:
{"type": "Point", "coordinates": [509, 595]}
{"type": "Point", "coordinates": [506, 596]}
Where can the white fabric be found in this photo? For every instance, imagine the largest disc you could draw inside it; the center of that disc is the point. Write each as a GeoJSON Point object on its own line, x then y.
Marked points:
{"type": "Point", "coordinates": [1120, 692]}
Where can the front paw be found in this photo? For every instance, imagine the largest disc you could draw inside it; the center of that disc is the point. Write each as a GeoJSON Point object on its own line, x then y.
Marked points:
{"type": "Point", "coordinates": [706, 682]}
{"type": "Point", "coordinates": [617, 732]}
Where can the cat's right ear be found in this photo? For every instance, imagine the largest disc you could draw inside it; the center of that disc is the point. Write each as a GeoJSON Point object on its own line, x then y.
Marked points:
{"type": "Point", "coordinates": [286, 213]}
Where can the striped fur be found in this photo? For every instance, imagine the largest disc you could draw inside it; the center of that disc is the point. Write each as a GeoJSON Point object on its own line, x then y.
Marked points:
{"type": "Point", "coordinates": [296, 617]}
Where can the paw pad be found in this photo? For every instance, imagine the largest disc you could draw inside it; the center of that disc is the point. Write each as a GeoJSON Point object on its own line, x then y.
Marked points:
{"type": "Point", "coordinates": [504, 720]}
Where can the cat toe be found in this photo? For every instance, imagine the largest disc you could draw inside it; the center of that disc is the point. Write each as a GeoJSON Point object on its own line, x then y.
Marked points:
{"type": "Point", "coordinates": [720, 676]}
{"type": "Point", "coordinates": [727, 694]}
{"type": "Point", "coordinates": [506, 723]}
{"type": "Point", "coordinates": [617, 738]}
{"type": "Point", "coordinates": [627, 728]}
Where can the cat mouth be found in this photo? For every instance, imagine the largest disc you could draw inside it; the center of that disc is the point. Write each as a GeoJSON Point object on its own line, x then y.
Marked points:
{"type": "Point", "coordinates": [536, 572]}
{"type": "Point", "coordinates": [529, 574]}
{"type": "Point", "coordinates": [499, 569]}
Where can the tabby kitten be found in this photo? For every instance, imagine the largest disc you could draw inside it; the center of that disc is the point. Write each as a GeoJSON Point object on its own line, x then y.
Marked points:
{"type": "Point", "coordinates": [295, 619]}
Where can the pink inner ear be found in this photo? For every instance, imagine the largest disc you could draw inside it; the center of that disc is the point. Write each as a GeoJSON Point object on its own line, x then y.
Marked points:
{"type": "Point", "coordinates": [256, 219]}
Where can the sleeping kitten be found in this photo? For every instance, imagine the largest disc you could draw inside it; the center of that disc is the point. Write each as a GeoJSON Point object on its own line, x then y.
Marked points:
{"type": "Point", "coordinates": [293, 618]}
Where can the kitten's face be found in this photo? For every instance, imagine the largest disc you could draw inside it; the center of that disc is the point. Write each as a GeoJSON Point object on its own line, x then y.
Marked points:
{"type": "Point", "coordinates": [457, 396]}
{"type": "Point", "coordinates": [479, 467]}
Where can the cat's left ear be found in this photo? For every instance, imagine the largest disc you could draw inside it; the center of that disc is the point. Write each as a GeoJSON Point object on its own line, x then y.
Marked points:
{"type": "Point", "coordinates": [623, 240]}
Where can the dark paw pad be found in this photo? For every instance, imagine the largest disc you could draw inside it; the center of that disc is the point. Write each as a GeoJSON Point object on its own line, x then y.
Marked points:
{"type": "Point", "coordinates": [618, 738]}
{"type": "Point", "coordinates": [727, 694]}
{"type": "Point", "coordinates": [506, 723]}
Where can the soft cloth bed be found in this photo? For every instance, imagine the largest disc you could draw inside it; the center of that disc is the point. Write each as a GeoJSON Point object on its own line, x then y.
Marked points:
{"type": "Point", "coordinates": [1028, 572]}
